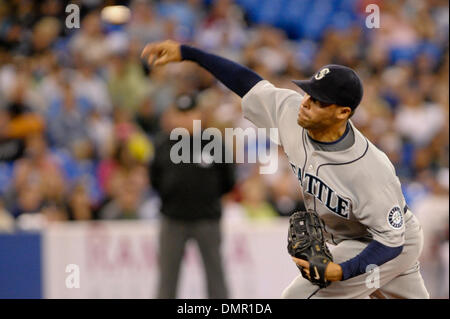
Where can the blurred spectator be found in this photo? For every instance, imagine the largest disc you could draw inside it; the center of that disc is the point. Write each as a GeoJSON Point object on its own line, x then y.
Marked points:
{"type": "Point", "coordinates": [269, 50]}
{"type": "Point", "coordinates": [30, 199]}
{"type": "Point", "coordinates": [411, 115]}
{"type": "Point", "coordinates": [254, 202]}
{"type": "Point", "coordinates": [44, 35]}
{"type": "Point", "coordinates": [127, 84]}
{"type": "Point", "coordinates": [222, 30]}
{"type": "Point", "coordinates": [182, 15]}
{"type": "Point", "coordinates": [100, 132]}
{"type": "Point", "coordinates": [123, 180]}
{"type": "Point", "coordinates": [37, 179]}
{"type": "Point", "coordinates": [67, 120]}
{"type": "Point", "coordinates": [90, 44]}
{"type": "Point", "coordinates": [89, 85]}
{"type": "Point", "coordinates": [124, 205]}
{"type": "Point", "coordinates": [10, 148]}
{"type": "Point", "coordinates": [20, 120]}
{"type": "Point", "coordinates": [146, 25]}
{"type": "Point", "coordinates": [78, 205]}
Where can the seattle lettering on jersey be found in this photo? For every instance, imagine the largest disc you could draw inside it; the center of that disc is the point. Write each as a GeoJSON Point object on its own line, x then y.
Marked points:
{"type": "Point", "coordinates": [324, 193]}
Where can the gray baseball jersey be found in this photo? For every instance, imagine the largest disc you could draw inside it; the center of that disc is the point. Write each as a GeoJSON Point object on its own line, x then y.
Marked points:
{"type": "Point", "coordinates": [355, 191]}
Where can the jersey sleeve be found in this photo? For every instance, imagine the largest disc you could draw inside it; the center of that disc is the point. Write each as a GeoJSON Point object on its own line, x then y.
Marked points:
{"type": "Point", "coordinates": [380, 207]}
{"type": "Point", "coordinates": [267, 106]}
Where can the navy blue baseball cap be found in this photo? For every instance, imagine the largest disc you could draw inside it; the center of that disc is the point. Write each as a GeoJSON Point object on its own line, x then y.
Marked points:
{"type": "Point", "coordinates": [334, 84]}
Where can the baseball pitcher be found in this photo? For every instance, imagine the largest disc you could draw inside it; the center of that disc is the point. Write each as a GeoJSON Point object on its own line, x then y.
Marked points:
{"type": "Point", "coordinates": [352, 195]}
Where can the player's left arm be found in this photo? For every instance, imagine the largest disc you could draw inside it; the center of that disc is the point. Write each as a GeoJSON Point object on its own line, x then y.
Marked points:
{"type": "Point", "coordinates": [381, 208]}
{"type": "Point", "coordinates": [374, 254]}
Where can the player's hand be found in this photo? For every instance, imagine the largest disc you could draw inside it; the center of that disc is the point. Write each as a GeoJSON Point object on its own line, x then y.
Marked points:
{"type": "Point", "coordinates": [161, 53]}
{"type": "Point", "coordinates": [333, 271]}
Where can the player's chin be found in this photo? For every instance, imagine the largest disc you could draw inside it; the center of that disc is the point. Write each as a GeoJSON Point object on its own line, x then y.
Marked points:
{"type": "Point", "coordinates": [302, 122]}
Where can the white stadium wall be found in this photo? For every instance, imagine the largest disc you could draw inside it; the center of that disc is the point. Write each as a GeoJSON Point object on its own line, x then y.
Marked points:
{"type": "Point", "coordinates": [120, 260]}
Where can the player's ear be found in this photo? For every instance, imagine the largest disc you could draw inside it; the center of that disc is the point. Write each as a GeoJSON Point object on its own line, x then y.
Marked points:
{"type": "Point", "coordinates": [343, 112]}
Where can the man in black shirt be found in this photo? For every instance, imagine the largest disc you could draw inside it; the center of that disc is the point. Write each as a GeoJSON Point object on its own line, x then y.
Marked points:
{"type": "Point", "coordinates": [191, 204]}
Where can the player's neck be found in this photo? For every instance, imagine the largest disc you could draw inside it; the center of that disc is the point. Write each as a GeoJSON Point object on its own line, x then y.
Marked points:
{"type": "Point", "coordinates": [330, 134]}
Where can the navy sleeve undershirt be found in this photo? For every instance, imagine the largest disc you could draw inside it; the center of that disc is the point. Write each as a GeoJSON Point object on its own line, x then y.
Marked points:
{"type": "Point", "coordinates": [374, 254]}
{"type": "Point", "coordinates": [234, 76]}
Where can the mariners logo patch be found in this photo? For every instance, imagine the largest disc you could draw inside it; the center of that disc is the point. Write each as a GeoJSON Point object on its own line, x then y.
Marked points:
{"type": "Point", "coordinates": [395, 218]}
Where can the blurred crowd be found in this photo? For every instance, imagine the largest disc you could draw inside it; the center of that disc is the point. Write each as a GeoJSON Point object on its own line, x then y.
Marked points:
{"type": "Point", "coordinates": [79, 110]}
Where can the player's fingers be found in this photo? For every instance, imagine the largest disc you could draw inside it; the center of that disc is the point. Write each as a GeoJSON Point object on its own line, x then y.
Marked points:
{"type": "Point", "coordinates": [147, 49]}
{"type": "Point", "coordinates": [162, 60]}
{"type": "Point", "coordinates": [152, 51]}
{"type": "Point", "coordinates": [301, 262]}
{"type": "Point", "coordinates": [151, 59]}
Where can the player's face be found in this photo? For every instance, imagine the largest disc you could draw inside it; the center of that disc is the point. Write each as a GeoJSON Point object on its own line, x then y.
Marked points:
{"type": "Point", "coordinates": [313, 115]}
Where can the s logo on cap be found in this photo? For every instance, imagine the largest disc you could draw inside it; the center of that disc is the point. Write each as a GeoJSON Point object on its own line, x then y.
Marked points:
{"type": "Point", "coordinates": [319, 75]}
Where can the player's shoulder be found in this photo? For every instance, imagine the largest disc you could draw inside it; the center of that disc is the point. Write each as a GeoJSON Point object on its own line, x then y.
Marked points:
{"type": "Point", "coordinates": [380, 163]}
{"type": "Point", "coordinates": [266, 88]}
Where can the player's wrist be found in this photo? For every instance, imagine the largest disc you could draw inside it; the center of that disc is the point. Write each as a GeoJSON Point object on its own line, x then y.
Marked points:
{"type": "Point", "coordinates": [187, 52]}
{"type": "Point", "coordinates": [333, 272]}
